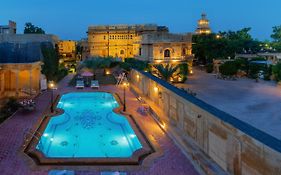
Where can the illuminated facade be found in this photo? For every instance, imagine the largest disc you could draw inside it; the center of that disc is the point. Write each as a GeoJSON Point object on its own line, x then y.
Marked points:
{"type": "Point", "coordinates": [165, 48]}
{"type": "Point", "coordinates": [20, 64]}
{"type": "Point", "coordinates": [20, 79]}
{"type": "Point", "coordinates": [122, 41]}
{"type": "Point", "coordinates": [67, 48]}
{"type": "Point", "coordinates": [203, 25]}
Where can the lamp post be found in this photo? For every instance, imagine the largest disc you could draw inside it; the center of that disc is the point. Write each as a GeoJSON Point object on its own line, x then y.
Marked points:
{"type": "Point", "coordinates": [125, 84]}
{"type": "Point", "coordinates": [52, 86]}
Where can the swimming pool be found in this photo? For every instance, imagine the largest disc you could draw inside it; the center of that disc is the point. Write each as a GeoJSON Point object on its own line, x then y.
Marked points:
{"type": "Point", "coordinates": [88, 128]}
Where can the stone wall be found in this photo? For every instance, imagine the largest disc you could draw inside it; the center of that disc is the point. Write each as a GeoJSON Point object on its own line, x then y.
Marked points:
{"type": "Point", "coordinates": [235, 146]}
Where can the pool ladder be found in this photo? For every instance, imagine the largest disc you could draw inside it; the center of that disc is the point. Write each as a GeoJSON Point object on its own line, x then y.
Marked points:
{"type": "Point", "coordinates": [32, 134]}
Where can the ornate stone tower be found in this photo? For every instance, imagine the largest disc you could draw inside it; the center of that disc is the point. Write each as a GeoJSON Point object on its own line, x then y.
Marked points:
{"type": "Point", "coordinates": [203, 25]}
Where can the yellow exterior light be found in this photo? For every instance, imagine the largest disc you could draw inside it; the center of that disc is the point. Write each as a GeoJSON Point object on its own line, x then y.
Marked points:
{"type": "Point", "coordinates": [107, 72]}
{"type": "Point", "coordinates": [138, 77]}
{"type": "Point", "coordinates": [171, 79]}
{"type": "Point", "coordinates": [158, 61]}
{"type": "Point", "coordinates": [51, 85]}
{"type": "Point", "coordinates": [156, 89]}
{"type": "Point", "coordinates": [125, 84]}
{"type": "Point", "coordinates": [191, 72]}
{"type": "Point", "coordinates": [163, 125]}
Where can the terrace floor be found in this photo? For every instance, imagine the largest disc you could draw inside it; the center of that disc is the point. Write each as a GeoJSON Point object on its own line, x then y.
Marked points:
{"type": "Point", "coordinates": [12, 162]}
{"type": "Point", "coordinates": [258, 104]}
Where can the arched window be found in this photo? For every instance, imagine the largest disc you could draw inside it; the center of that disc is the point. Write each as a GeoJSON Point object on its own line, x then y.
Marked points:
{"type": "Point", "coordinates": [121, 52]}
{"type": "Point", "coordinates": [167, 53]}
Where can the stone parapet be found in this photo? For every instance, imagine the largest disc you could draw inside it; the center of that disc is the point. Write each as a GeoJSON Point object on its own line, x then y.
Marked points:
{"type": "Point", "coordinates": [237, 147]}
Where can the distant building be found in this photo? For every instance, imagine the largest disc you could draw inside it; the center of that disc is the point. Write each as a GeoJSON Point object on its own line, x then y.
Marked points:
{"type": "Point", "coordinates": [271, 57]}
{"type": "Point", "coordinates": [203, 25]}
{"type": "Point", "coordinates": [11, 28]}
{"type": "Point", "coordinates": [83, 51]}
{"type": "Point", "coordinates": [67, 49]}
{"type": "Point", "coordinates": [165, 48]}
{"type": "Point", "coordinates": [118, 40]}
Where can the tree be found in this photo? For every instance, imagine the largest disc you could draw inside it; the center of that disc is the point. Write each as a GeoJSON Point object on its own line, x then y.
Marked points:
{"type": "Point", "coordinates": [223, 45]}
{"type": "Point", "coordinates": [228, 68]}
{"type": "Point", "coordinates": [50, 67]}
{"type": "Point", "coordinates": [79, 51]}
{"type": "Point", "coordinates": [30, 28]}
{"type": "Point", "coordinates": [276, 36]}
{"type": "Point", "coordinates": [167, 71]}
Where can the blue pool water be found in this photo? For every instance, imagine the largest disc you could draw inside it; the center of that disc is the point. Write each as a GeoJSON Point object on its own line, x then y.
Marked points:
{"type": "Point", "coordinates": [88, 128]}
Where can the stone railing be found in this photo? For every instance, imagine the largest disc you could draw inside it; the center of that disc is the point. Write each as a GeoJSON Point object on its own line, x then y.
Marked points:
{"type": "Point", "coordinates": [237, 147]}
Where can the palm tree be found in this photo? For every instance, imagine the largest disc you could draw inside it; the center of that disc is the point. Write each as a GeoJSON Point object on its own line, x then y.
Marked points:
{"type": "Point", "coordinates": [167, 71]}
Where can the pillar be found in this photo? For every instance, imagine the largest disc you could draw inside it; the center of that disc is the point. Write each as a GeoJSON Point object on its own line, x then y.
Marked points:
{"type": "Point", "coordinates": [17, 82]}
{"type": "Point", "coordinates": [2, 82]}
{"type": "Point", "coordinates": [30, 81]}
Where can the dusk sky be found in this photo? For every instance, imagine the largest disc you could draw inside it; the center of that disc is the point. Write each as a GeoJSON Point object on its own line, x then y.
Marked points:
{"type": "Point", "coordinates": [69, 19]}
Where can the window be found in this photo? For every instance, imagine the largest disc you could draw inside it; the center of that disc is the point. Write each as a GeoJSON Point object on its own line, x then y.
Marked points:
{"type": "Point", "coordinates": [139, 51]}
{"type": "Point", "coordinates": [183, 51]}
{"type": "Point", "coordinates": [167, 53]}
{"type": "Point", "coordinates": [121, 52]}
{"type": "Point", "coordinates": [104, 37]}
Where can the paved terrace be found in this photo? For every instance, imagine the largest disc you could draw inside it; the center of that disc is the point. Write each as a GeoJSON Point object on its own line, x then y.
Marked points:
{"type": "Point", "coordinates": [258, 104]}
{"type": "Point", "coordinates": [11, 139]}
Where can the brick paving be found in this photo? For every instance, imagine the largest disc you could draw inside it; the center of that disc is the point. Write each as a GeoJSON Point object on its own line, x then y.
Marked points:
{"type": "Point", "coordinates": [12, 162]}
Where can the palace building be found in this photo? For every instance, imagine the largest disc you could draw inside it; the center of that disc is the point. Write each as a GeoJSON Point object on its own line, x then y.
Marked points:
{"type": "Point", "coordinates": [122, 41]}
{"type": "Point", "coordinates": [67, 49]}
{"type": "Point", "coordinates": [145, 42]}
{"type": "Point", "coordinates": [165, 48]}
{"type": "Point", "coordinates": [203, 25]}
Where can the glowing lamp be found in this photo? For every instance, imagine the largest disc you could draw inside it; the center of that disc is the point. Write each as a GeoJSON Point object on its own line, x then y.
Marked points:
{"type": "Point", "coordinates": [156, 89]}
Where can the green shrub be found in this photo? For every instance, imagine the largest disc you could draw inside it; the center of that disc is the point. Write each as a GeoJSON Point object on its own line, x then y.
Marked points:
{"type": "Point", "coordinates": [183, 69]}
{"type": "Point", "coordinates": [276, 71]}
{"type": "Point", "coordinates": [209, 68]}
{"type": "Point", "coordinates": [8, 109]}
{"type": "Point", "coordinates": [125, 66]}
{"type": "Point", "coordinates": [61, 74]}
{"type": "Point", "coordinates": [254, 70]}
{"type": "Point", "coordinates": [267, 73]}
{"type": "Point", "coordinates": [242, 64]}
{"type": "Point", "coordinates": [137, 64]}
{"type": "Point", "coordinates": [229, 68]}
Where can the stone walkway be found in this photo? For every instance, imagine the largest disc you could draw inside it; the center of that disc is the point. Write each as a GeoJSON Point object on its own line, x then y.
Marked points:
{"type": "Point", "coordinates": [11, 139]}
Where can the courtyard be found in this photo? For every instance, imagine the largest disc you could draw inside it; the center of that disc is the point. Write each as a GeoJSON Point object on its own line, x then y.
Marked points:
{"type": "Point", "coordinates": [14, 161]}
{"type": "Point", "coordinates": [258, 104]}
